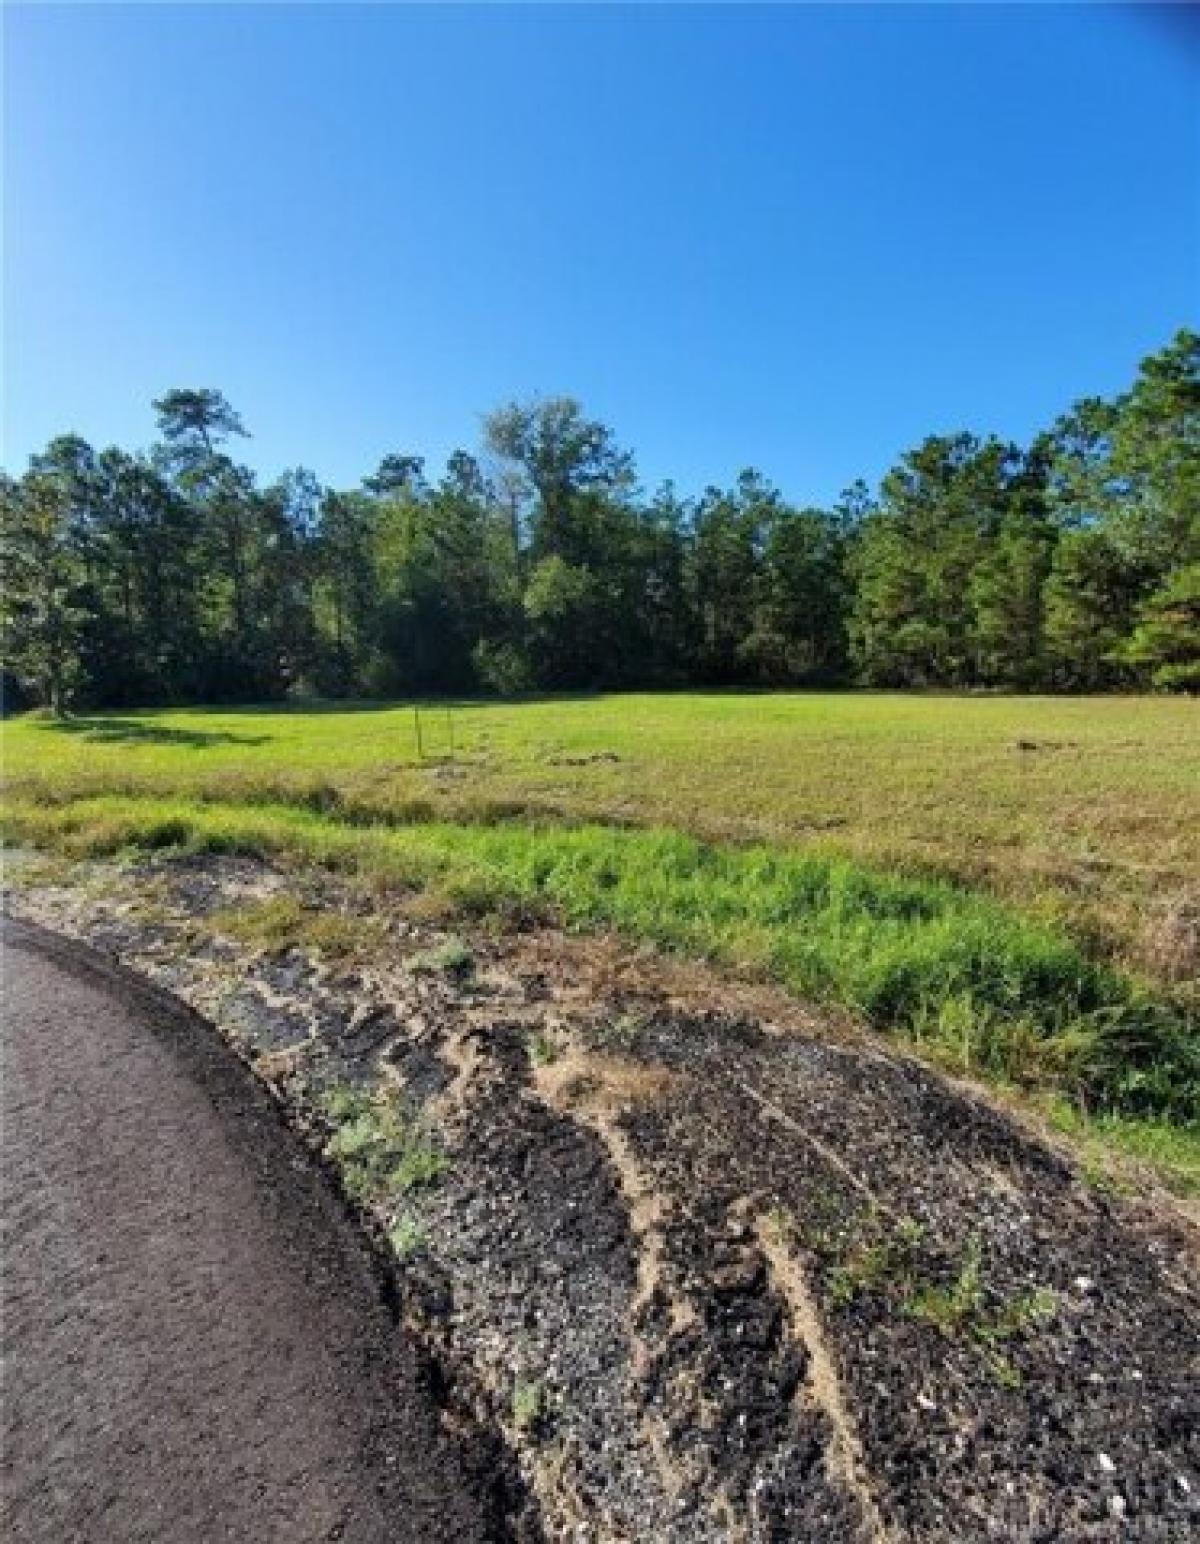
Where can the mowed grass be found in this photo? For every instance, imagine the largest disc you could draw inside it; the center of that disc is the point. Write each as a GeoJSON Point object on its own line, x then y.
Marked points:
{"type": "Point", "coordinates": [991, 877]}
{"type": "Point", "coordinates": [1080, 810]}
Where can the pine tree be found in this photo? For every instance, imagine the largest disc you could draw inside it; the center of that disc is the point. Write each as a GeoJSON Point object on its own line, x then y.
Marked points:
{"type": "Point", "coordinates": [1166, 641]}
{"type": "Point", "coordinates": [40, 611]}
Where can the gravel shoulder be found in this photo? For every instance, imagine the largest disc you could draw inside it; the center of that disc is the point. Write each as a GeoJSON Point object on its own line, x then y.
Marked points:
{"type": "Point", "coordinates": [715, 1269]}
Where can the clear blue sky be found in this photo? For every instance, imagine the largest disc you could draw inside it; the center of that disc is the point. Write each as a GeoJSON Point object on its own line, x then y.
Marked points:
{"type": "Point", "coordinates": [793, 238]}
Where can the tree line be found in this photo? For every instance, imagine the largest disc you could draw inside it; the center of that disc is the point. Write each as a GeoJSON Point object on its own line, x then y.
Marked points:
{"type": "Point", "coordinates": [539, 563]}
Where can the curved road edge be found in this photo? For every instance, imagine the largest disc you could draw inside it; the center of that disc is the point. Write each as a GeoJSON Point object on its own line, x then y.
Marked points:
{"type": "Point", "coordinates": [199, 1339]}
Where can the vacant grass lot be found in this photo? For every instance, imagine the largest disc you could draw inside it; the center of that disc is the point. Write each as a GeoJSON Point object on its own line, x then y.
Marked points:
{"type": "Point", "coordinates": [1008, 881]}
{"type": "Point", "coordinates": [1087, 809]}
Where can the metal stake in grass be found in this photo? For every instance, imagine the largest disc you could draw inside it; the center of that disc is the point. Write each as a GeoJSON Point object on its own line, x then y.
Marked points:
{"type": "Point", "coordinates": [417, 723]}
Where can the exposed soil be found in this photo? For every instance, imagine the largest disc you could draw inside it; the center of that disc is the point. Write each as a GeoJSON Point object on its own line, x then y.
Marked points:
{"type": "Point", "coordinates": [717, 1271]}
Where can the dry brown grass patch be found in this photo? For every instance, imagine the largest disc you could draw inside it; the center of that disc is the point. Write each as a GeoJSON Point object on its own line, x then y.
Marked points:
{"type": "Point", "coordinates": [1170, 942]}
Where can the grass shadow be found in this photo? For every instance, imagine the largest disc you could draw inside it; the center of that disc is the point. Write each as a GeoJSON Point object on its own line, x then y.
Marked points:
{"type": "Point", "coordinates": [132, 731]}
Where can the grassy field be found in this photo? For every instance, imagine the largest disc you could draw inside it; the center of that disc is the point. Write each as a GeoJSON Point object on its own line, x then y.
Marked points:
{"type": "Point", "coordinates": [1083, 809]}
{"type": "Point", "coordinates": [1007, 881]}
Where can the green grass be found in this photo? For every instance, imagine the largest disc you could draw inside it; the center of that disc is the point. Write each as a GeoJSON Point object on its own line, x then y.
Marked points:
{"type": "Point", "coordinates": [908, 858]}
{"type": "Point", "coordinates": [988, 990]}
{"type": "Point", "coordinates": [1170, 1149]}
{"type": "Point", "coordinates": [1095, 827]}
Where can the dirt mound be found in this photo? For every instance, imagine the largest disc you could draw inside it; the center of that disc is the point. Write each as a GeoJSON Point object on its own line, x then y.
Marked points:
{"type": "Point", "coordinates": [715, 1275]}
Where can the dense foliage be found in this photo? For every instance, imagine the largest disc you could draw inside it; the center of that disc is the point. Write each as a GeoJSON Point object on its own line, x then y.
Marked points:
{"type": "Point", "coordinates": [1071, 564]}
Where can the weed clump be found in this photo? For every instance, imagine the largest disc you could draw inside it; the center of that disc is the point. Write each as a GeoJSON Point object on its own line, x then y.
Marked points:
{"type": "Point", "coordinates": [528, 1406]}
{"type": "Point", "coordinates": [543, 1051]}
{"type": "Point", "coordinates": [282, 923]}
{"type": "Point", "coordinates": [960, 1310]}
{"type": "Point", "coordinates": [953, 1297]}
{"type": "Point", "coordinates": [407, 1236]}
{"type": "Point", "coordinates": [451, 958]}
{"type": "Point", "coordinates": [380, 1150]}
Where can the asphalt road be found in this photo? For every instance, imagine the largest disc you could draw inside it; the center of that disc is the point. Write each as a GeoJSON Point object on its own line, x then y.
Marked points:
{"type": "Point", "coordinates": [195, 1345]}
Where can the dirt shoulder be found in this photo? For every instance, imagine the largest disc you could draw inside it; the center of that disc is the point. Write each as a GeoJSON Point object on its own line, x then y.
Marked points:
{"type": "Point", "coordinates": [716, 1270]}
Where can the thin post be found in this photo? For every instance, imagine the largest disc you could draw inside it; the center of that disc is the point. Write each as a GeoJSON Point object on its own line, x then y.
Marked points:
{"type": "Point", "coordinates": [417, 722]}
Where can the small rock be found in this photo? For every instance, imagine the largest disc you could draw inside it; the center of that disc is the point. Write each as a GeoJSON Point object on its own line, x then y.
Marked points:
{"type": "Point", "coordinates": [1106, 1463]}
{"type": "Point", "coordinates": [1116, 1505]}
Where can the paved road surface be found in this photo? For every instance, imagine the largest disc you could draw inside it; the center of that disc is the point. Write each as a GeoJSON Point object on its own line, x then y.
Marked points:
{"type": "Point", "coordinates": [194, 1345]}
